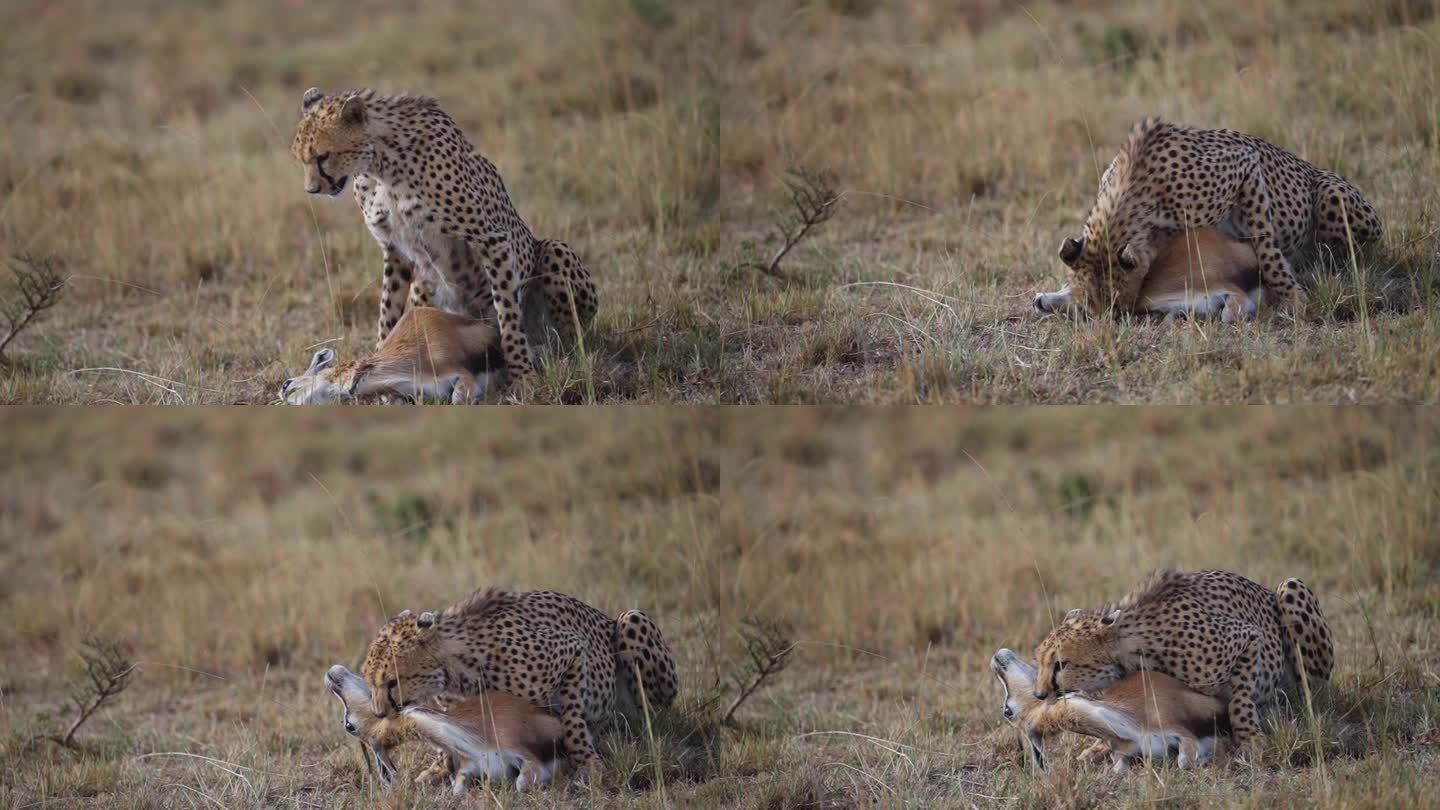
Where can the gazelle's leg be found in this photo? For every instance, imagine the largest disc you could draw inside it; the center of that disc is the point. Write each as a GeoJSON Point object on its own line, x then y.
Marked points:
{"type": "Point", "coordinates": [466, 391]}
{"type": "Point", "coordinates": [1189, 749]}
{"type": "Point", "coordinates": [1097, 749]}
{"type": "Point", "coordinates": [1056, 302]}
{"type": "Point", "coordinates": [531, 774]}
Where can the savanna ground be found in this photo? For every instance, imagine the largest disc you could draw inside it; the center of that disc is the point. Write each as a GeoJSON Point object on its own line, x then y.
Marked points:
{"type": "Point", "coordinates": [240, 557]}
{"type": "Point", "coordinates": [145, 150]}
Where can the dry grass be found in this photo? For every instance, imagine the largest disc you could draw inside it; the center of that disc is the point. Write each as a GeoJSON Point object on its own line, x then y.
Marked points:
{"type": "Point", "coordinates": [146, 149]}
{"type": "Point", "coordinates": [241, 556]}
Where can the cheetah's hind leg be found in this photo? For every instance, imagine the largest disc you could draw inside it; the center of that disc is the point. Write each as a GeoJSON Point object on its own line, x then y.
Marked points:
{"type": "Point", "coordinates": [566, 290]}
{"type": "Point", "coordinates": [639, 646]}
{"type": "Point", "coordinates": [1342, 213]}
{"type": "Point", "coordinates": [1306, 627]}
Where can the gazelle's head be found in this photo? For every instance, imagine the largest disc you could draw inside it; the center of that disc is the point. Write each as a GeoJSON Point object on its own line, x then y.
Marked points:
{"type": "Point", "coordinates": [377, 735]}
{"type": "Point", "coordinates": [322, 382]}
{"type": "Point", "coordinates": [1017, 678]}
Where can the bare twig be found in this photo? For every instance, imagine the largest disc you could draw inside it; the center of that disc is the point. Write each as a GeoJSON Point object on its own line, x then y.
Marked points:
{"type": "Point", "coordinates": [813, 200]}
{"type": "Point", "coordinates": [38, 284]}
{"type": "Point", "coordinates": [768, 645]}
{"type": "Point", "coordinates": [108, 668]}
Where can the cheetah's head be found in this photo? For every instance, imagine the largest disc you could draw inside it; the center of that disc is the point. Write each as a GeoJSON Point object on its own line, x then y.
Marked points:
{"type": "Point", "coordinates": [332, 140]}
{"type": "Point", "coordinates": [1079, 655]}
{"type": "Point", "coordinates": [1103, 280]}
{"type": "Point", "coordinates": [403, 665]}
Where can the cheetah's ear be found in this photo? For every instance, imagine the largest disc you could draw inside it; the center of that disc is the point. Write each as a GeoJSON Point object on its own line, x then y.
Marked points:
{"type": "Point", "coordinates": [1110, 618]}
{"type": "Point", "coordinates": [1075, 614]}
{"type": "Point", "coordinates": [426, 620]}
{"type": "Point", "coordinates": [353, 111]}
{"type": "Point", "coordinates": [402, 615]}
{"type": "Point", "coordinates": [1070, 251]}
{"type": "Point", "coordinates": [1127, 258]}
{"type": "Point", "coordinates": [311, 96]}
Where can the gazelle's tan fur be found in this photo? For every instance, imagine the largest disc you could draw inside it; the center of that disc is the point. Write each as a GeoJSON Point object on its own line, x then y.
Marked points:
{"type": "Point", "coordinates": [486, 735]}
{"type": "Point", "coordinates": [1144, 714]}
{"type": "Point", "coordinates": [1203, 272]}
{"type": "Point", "coordinates": [1200, 272]}
{"type": "Point", "coordinates": [430, 352]}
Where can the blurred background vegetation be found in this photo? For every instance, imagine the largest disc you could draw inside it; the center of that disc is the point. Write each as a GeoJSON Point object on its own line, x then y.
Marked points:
{"type": "Point", "coordinates": [240, 554]}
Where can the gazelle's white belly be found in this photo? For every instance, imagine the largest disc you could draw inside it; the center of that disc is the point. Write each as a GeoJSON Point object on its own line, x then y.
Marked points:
{"type": "Point", "coordinates": [440, 388]}
{"type": "Point", "coordinates": [1154, 744]}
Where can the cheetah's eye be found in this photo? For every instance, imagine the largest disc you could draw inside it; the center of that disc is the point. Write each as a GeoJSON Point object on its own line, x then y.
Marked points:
{"type": "Point", "coordinates": [322, 157]}
{"type": "Point", "coordinates": [1063, 665]}
{"type": "Point", "coordinates": [392, 683]}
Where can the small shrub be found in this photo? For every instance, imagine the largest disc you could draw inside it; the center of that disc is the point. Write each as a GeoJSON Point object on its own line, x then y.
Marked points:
{"type": "Point", "coordinates": [109, 667]}
{"type": "Point", "coordinates": [655, 13]}
{"type": "Point", "coordinates": [37, 288]}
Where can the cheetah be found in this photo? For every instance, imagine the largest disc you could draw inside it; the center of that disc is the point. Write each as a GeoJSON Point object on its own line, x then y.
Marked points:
{"type": "Point", "coordinates": [442, 217]}
{"type": "Point", "coordinates": [1144, 714]}
{"type": "Point", "coordinates": [1219, 633]}
{"type": "Point", "coordinates": [1169, 177]}
{"type": "Point", "coordinates": [547, 647]}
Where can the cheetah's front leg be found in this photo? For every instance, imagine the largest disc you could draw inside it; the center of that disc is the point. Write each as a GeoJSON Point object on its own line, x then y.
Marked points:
{"type": "Point", "coordinates": [398, 273]}
{"type": "Point", "coordinates": [420, 294]}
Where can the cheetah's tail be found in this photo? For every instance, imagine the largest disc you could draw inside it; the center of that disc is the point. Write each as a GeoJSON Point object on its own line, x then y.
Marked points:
{"type": "Point", "coordinates": [1305, 627]}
